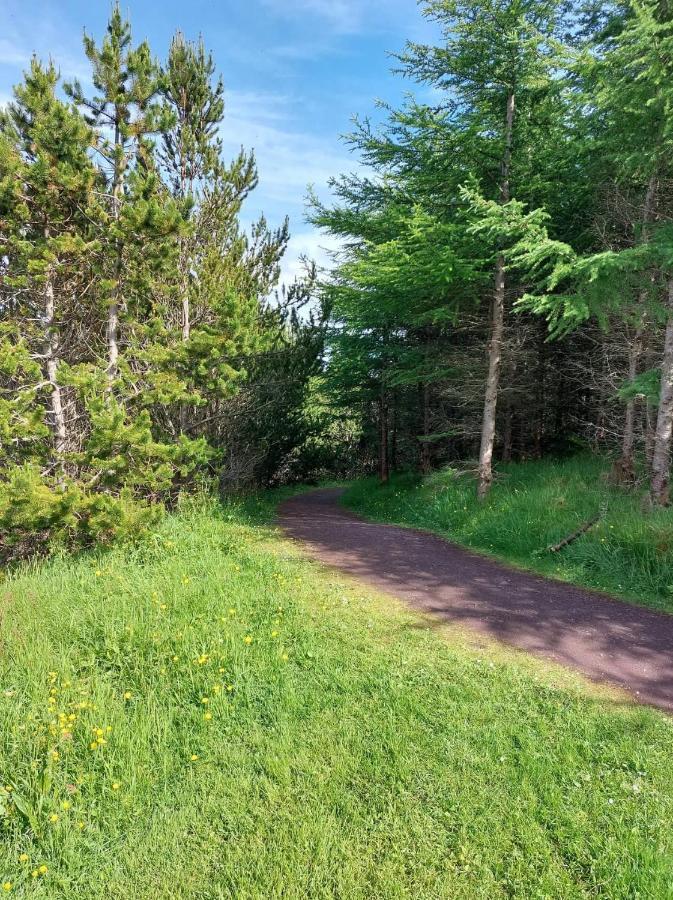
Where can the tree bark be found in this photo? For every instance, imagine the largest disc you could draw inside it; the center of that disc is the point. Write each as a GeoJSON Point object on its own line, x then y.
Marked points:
{"type": "Point", "coordinates": [425, 446]}
{"type": "Point", "coordinates": [661, 455]}
{"type": "Point", "coordinates": [113, 309]}
{"type": "Point", "coordinates": [51, 353]}
{"type": "Point", "coordinates": [384, 469]}
{"type": "Point", "coordinates": [497, 327]}
{"type": "Point", "coordinates": [625, 469]}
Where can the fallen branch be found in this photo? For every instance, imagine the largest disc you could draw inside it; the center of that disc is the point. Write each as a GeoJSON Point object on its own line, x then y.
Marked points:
{"type": "Point", "coordinates": [554, 548]}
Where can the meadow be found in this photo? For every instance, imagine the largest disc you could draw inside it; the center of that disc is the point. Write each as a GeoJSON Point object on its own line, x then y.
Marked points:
{"type": "Point", "coordinates": [535, 505]}
{"type": "Point", "coordinates": [211, 715]}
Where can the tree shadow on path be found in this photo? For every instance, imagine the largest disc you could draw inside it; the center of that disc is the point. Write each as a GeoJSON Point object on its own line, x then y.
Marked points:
{"type": "Point", "coordinates": [608, 640]}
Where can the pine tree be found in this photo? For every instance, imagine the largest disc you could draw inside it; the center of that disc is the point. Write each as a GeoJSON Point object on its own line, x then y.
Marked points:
{"type": "Point", "coordinates": [46, 204]}
{"type": "Point", "coordinates": [127, 107]}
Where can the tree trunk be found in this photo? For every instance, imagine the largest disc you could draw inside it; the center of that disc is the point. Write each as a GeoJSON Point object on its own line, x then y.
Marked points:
{"type": "Point", "coordinates": [51, 349]}
{"type": "Point", "coordinates": [113, 310]}
{"type": "Point", "coordinates": [384, 469]}
{"type": "Point", "coordinates": [625, 469]}
{"type": "Point", "coordinates": [425, 446]}
{"type": "Point", "coordinates": [186, 327]}
{"type": "Point", "coordinates": [661, 456]}
{"type": "Point", "coordinates": [507, 435]}
{"type": "Point", "coordinates": [497, 327]}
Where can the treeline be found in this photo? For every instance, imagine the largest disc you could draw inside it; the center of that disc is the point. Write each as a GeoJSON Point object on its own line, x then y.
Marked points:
{"type": "Point", "coordinates": [142, 349]}
{"type": "Point", "coordinates": [505, 281]}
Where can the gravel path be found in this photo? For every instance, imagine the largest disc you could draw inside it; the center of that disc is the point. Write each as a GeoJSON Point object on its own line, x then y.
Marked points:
{"type": "Point", "coordinates": [608, 640]}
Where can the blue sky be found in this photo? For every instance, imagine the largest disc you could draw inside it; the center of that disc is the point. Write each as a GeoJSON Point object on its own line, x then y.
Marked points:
{"type": "Point", "coordinates": [295, 72]}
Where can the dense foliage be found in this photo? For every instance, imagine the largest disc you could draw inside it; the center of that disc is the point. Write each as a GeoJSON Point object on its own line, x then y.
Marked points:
{"type": "Point", "coordinates": [505, 283]}
{"type": "Point", "coordinates": [134, 310]}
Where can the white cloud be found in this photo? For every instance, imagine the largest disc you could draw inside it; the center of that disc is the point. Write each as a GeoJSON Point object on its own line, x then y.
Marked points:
{"type": "Point", "coordinates": [288, 160]}
{"type": "Point", "coordinates": [11, 54]}
{"type": "Point", "coordinates": [345, 16]}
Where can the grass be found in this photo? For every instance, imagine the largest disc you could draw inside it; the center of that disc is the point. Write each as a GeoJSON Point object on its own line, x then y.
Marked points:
{"type": "Point", "coordinates": [348, 747]}
{"type": "Point", "coordinates": [532, 506]}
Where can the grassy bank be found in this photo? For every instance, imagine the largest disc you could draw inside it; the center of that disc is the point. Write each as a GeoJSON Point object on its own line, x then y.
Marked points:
{"type": "Point", "coordinates": [534, 505]}
{"type": "Point", "coordinates": [214, 717]}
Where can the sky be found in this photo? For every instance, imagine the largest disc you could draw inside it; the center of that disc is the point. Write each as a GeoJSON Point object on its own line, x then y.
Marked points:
{"type": "Point", "coordinates": [295, 72]}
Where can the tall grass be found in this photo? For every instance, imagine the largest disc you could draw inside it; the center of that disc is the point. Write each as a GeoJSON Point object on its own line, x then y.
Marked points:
{"type": "Point", "coordinates": [212, 716]}
{"type": "Point", "coordinates": [534, 505]}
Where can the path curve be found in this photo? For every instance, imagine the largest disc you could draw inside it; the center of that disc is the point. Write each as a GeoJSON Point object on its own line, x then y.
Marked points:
{"type": "Point", "coordinates": [608, 640]}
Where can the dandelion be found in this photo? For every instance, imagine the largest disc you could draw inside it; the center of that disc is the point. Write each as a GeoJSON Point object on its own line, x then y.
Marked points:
{"type": "Point", "coordinates": [163, 606]}
{"type": "Point", "coordinates": [247, 639]}
{"type": "Point", "coordinates": [7, 886]}
{"type": "Point", "coordinates": [34, 873]}
{"type": "Point", "coordinates": [285, 657]}
{"type": "Point", "coordinates": [115, 785]}
{"type": "Point", "coordinates": [205, 700]}
{"type": "Point", "coordinates": [194, 757]}
{"type": "Point", "coordinates": [98, 573]}
{"type": "Point", "coordinates": [80, 825]}
{"type": "Point", "coordinates": [66, 804]}
{"type": "Point", "coordinates": [127, 695]}
{"type": "Point", "coordinates": [54, 754]}
{"type": "Point", "coordinates": [53, 818]}
{"type": "Point", "coordinates": [23, 857]}
{"type": "Point", "coordinates": [208, 716]}
{"type": "Point", "coordinates": [43, 870]}
{"type": "Point", "coordinates": [274, 634]}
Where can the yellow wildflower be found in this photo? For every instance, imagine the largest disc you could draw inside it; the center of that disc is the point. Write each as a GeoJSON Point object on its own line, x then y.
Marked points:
{"type": "Point", "coordinates": [7, 886]}
{"type": "Point", "coordinates": [115, 785]}
{"type": "Point", "coordinates": [43, 870]}
{"type": "Point", "coordinates": [127, 695]}
{"type": "Point", "coordinates": [247, 639]}
{"type": "Point", "coordinates": [208, 716]}
{"type": "Point", "coordinates": [23, 857]}
{"type": "Point", "coordinates": [194, 757]}
{"type": "Point", "coordinates": [53, 818]}
{"type": "Point", "coordinates": [66, 804]}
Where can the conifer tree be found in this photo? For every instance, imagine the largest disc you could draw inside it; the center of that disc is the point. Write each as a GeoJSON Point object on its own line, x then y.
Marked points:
{"type": "Point", "coordinates": [127, 108]}
{"type": "Point", "coordinates": [47, 184]}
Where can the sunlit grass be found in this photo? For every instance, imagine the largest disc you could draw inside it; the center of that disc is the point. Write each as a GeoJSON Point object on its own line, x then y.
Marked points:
{"type": "Point", "coordinates": [212, 716]}
{"type": "Point", "coordinates": [534, 505]}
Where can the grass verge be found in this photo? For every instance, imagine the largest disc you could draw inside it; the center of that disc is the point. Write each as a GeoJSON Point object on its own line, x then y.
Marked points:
{"type": "Point", "coordinates": [212, 716]}
{"type": "Point", "coordinates": [534, 505]}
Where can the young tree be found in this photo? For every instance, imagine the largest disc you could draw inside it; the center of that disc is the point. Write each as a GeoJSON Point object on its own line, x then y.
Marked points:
{"type": "Point", "coordinates": [497, 61]}
{"type": "Point", "coordinates": [124, 112]}
{"type": "Point", "coordinates": [46, 186]}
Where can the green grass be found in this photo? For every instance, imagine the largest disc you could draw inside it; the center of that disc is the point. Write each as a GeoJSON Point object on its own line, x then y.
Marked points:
{"type": "Point", "coordinates": [534, 505]}
{"type": "Point", "coordinates": [355, 749]}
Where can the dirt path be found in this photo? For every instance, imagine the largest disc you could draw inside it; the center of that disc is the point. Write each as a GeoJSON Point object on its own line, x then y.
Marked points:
{"type": "Point", "coordinates": [606, 639]}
